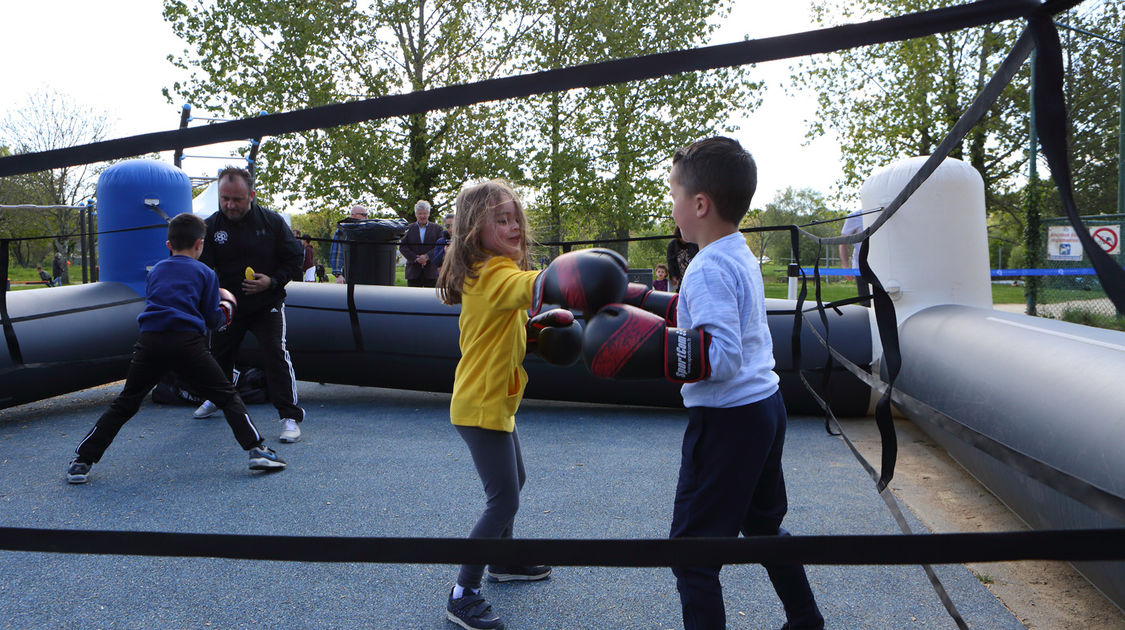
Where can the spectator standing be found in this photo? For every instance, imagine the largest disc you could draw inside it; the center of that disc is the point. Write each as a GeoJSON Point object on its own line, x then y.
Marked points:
{"type": "Point", "coordinates": [244, 238]}
{"type": "Point", "coordinates": [443, 241]}
{"type": "Point", "coordinates": [309, 264]}
{"type": "Point", "coordinates": [680, 253]}
{"type": "Point", "coordinates": [336, 251]}
{"type": "Point", "coordinates": [57, 270]}
{"type": "Point", "coordinates": [418, 248]}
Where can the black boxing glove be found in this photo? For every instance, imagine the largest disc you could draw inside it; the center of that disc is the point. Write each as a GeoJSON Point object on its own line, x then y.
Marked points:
{"type": "Point", "coordinates": [585, 280]}
{"type": "Point", "coordinates": [662, 303]}
{"type": "Point", "coordinates": [626, 342]}
{"type": "Point", "coordinates": [555, 336]}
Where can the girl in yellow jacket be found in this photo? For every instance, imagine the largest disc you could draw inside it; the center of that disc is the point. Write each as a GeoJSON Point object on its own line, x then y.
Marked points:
{"type": "Point", "coordinates": [486, 271]}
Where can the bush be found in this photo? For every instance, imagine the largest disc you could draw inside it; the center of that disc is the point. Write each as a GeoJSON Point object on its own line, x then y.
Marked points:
{"type": "Point", "coordinates": [1090, 318]}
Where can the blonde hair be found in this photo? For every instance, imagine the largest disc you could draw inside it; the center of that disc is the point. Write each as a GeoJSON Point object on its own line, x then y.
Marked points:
{"type": "Point", "coordinates": [476, 205]}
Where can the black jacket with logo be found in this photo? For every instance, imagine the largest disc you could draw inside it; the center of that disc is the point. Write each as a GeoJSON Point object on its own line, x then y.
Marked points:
{"type": "Point", "coordinates": [261, 240]}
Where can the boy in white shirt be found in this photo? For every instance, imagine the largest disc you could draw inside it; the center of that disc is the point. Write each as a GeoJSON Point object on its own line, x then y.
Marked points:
{"type": "Point", "coordinates": [730, 479]}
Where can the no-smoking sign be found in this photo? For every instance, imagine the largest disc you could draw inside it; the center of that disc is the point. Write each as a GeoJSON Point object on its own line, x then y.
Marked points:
{"type": "Point", "coordinates": [1108, 237]}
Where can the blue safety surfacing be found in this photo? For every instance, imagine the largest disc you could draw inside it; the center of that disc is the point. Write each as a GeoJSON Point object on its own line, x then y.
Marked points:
{"type": "Point", "coordinates": [379, 462]}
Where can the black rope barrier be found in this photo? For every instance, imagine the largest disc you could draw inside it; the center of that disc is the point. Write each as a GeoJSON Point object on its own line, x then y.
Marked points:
{"type": "Point", "coordinates": [586, 76]}
{"type": "Point", "coordinates": [1072, 545]}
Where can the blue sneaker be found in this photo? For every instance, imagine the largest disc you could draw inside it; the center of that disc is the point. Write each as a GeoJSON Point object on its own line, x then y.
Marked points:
{"type": "Point", "coordinates": [472, 612]}
{"type": "Point", "coordinates": [532, 573]}
{"type": "Point", "coordinates": [263, 457]}
{"type": "Point", "coordinates": [78, 472]}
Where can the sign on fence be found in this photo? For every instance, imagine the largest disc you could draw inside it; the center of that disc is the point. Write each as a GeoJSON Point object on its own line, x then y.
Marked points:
{"type": "Point", "coordinates": [1063, 243]}
{"type": "Point", "coordinates": [1108, 237]}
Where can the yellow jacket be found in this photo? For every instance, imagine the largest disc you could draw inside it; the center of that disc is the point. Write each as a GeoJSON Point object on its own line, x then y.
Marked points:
{"type": "Point", "coordinates": [490, 378]}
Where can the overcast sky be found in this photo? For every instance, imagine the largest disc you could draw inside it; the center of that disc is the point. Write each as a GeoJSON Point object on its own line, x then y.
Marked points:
{"type": "Point", "coordinates": [112, 57]}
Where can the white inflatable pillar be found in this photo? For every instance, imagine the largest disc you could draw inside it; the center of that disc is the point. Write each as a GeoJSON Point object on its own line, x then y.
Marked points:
{"type": "Point", "coordinates": [934, 250]}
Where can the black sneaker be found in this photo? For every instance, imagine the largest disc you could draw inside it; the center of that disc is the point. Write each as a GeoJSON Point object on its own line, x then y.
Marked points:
{"type": "Point", "coordinates": [78, 472]}
{"type": "Point", "coordinates": [532, 573]}
{"type": "Point", "coordinates": [472, 612]}
{"type": "Point", "coordinates": [263, 457]}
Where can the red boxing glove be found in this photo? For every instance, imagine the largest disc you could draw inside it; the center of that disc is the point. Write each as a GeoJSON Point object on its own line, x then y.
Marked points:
{"type": "Point", "coordinates": [663, 303]}
{"type": "Point", "coordinates": [623, 341]}
{"type": "Point", "coordinates": [227, 305]}
{"type": "Point", "coordinates": [585, 280]}
{"type": "Point", "coordinates": [555, 336]}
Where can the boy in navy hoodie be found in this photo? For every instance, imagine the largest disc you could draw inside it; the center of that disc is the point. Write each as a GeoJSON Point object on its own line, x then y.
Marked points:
{"type": "Point", "coordinates": [182, 301]}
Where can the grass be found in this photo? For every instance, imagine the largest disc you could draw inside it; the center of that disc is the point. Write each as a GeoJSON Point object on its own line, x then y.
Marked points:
{"type": "Point", "coordinates": [22, 274]}
{"type": "Point", "coordinates": [1089, 318]}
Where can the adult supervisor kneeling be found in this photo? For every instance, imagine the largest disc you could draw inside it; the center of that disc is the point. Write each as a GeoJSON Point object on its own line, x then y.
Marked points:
{"type": "Point", "coordinates": [244, 236]}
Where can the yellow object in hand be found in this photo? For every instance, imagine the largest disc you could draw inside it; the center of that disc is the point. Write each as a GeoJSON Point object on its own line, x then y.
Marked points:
{"type": "Point", "coordinates": [249, 273]}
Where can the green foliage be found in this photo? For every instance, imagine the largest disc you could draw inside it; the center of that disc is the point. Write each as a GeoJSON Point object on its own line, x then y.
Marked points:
{"type": "Point", "coordinates": [1092, 86]}
{"type": "Point", "coordinates": [599, 158]}
{"type": "Point", "coordinates": [590, 163]}
{"type": "Point", "coordinates": [48, 120]}
{"type": "Point", "coordinates": [804, 207]}
{"type": "Point", "coordinates": [1090, 318]}
{"type": "Point", "coordinates": [897, 100]}
{"type": "Point", "coordinates": [279, 56]}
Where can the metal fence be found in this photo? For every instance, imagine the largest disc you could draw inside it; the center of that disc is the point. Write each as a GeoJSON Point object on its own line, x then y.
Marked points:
{"type": "Point", "coordinates": [1068, 281]}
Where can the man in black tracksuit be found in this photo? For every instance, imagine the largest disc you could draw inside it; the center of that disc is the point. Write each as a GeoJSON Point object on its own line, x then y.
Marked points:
{"type": "Point", "coordinates": [241, 235]}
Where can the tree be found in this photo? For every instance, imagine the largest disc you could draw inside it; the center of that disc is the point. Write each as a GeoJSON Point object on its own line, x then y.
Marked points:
{"type": "Point", "coordinates": [52, 120]}
{"type": "Point", "coordinates": [607, 176]}
{"type": "Point", "coordinates": [274, 56]}
{"type": "Point", "coordinates": [21, 223]}
{"type": "Point", "coordinates": [1092, 85]}
{"type": "Point", "coordinates": [898, 100]}
{"type": "Point", "coordinates": [792, 207]}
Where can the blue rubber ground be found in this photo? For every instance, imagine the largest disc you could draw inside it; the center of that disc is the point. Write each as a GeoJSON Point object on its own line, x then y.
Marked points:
{"type": "Point", "coordinates": [377, 462]}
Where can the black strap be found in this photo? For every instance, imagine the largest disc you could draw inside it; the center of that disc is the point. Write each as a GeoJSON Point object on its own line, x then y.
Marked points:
{"type": "Point", "coordinates": [889, 500]}
{"type": "Point", "coordinates": [1072, 545]}
{"type": "Point", "coordinates": [353, 315]}
{"type": "Point", "coordinates": [586, 76]}
{"type": "Point", "coordinates": [1050, 112]}
{"type": "Point", "coordinates": [887, 323]}
{"type": "Point", "coordinates": [9, 331]}
{"type": "Point", "coordinates": [1080, 490]}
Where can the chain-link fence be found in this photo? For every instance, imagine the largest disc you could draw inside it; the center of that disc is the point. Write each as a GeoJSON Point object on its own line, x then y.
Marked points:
{"type": "Point", "coordinates": [1069, 281]}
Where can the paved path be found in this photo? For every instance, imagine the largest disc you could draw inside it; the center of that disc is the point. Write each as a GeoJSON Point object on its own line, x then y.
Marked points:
{"type": "Point", "coordinates": [377, 462]}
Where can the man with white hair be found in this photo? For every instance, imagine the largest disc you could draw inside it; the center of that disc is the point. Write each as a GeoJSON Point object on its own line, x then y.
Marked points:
{"type": "Point", "coordinates": [417, 248]}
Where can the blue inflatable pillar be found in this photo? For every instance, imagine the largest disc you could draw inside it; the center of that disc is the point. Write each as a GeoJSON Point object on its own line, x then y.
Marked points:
{"type": "Point", "coordinates": [137, 194]}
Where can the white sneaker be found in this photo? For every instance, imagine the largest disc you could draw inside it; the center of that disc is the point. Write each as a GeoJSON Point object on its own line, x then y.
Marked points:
{"type": "Point", "coordinates": [290, 431]}
{"type": "Point", "coordinates": [206, 410]}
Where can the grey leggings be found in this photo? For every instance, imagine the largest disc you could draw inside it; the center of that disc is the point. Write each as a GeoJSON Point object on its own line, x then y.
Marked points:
{"type": "Point", "coordinates": [499, 463]}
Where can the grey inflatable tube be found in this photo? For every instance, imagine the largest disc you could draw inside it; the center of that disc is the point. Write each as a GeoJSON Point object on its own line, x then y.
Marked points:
{"type": "Point", "coordinates": [66, 339]}
{"type": "Point", "coordinates": [397, 337]}
{"type": "Point", "coordinates": [1048, 389]}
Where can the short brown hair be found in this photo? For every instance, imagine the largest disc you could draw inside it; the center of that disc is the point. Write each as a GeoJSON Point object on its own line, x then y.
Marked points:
{"type": "Point", "coordinates": [184, 230]}
{"type": "Point", "coordinates": [721, 169]}
{"type": "Point", "coordinates": [234, 171]}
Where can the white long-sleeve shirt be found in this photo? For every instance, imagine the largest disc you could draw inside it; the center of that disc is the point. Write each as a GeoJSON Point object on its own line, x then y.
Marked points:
{"type": "Point", "coordinates": [722, 293]}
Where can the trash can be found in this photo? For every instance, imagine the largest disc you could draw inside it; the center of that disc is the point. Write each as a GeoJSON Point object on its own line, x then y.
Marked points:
{"type": "Point", "coordinates": [643, 276]}
{"type": "Point", "coordinates": [370, 256]}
